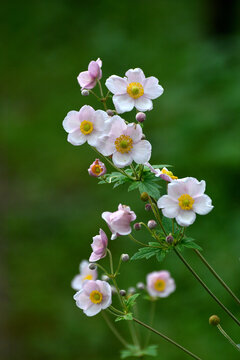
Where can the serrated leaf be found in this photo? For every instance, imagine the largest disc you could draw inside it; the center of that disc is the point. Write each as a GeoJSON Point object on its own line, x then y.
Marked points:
{"type": "Point", "coordinates": [167, 224]}
{"type": "Point", "coordinates": [135, 351]}
{"type": "Point", "coordinates": [160, 255]}
{"type": "Point", "coordinates": [155, 244]}
{"type": "Point", "coordinates": [128, 317]}
{"type": "Point", "coordinates": [190, 244]}
{"type": "Point", "coordinates": [145, 252]}
{"type": "Point", "coordinates": [131, 300]}
{"type": "Point", "coordinates": [150, 188]}
{"type": "Point", "coordinates": [134, 185]}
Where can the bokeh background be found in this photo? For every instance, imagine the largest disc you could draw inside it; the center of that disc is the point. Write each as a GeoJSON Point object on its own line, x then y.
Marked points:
{"type": "Point", "coordinates": [51, 208]}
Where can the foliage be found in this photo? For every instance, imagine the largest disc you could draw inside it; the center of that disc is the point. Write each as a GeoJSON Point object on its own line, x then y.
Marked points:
{"type": "Point", "coordinates": [134, 351]}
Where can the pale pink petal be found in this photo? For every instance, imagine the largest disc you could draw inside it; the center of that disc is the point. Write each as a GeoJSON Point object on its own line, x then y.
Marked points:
{"type": "Point", "coordinates": [123, 103]}
{"type": "Point", "coordinates": [106, 146]}
{"type": "Point", "coordinates": [87, 113]}
{"type": "Point", "coordinates": [202, 204]}
{"type": "Point", "coordinates": [195, 187]}
{"type": "Point", "coordinates": [143, 103]}
{"type": "Point", "coordinates": [93, 138]}
{"type": "Point", "coordinates": [141, 151]}
{"type": "Point", "coordinates": [104, 237]}
{"type": "Point", "coordinates": [76, 138]}
{"type": "Point", "coordinates": [135, 75]}
{"type": "Point", "coordinates": [94, 257]}
{"type": "Point", "coordinates": [90, 286]}
{"type": "Point", "coordinates": [186, 217]}
{"type": "Point", "coordinates": [71, 122]}
{"type": "Point", "coordinates": [121, 160]}
{"type": "Point", "coordinates": [94, 309]}
{"type": "Point", "coordinates": [86, 81]}
{"type": "Point", "coordinates": [77, 281]}
{"type": "Point", "coordinates": [99, 61]}
{"type": "Point", "coordinates": [94, 69]}
{"type": "Point", "coordinates": [169, 206]}
{"type": "Point", "coordinates": [82, 301]}
{"type": "Point", "coordinates": [101, 120]}
{"type": "Point", "coordinates": [176, 188]}
{"type": "Point", "coordinates": [116, 85]}
{"type": "Point", "coordinates": [134, 131]}
{"type": "Point", "coordinates": [118, 127]}
{"type": "Point", "coordinates": [152, 89]}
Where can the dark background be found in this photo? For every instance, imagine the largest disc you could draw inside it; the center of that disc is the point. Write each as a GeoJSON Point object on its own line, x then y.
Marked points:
{"type": "Point", "coordinates": [54, 207]}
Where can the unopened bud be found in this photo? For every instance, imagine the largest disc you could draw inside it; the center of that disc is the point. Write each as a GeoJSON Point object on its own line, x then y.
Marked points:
{"type": "Point", "coordinates": [122, 292]}
{"type": "Point", "coordinates": [169, 239]}
{"type": "Point", "coordinates": [92, 266]}
{"type": "Point", "coordinates": [125, 257]}
{"type": "Point", "coordinates": [143, 136]}
{"type": "Point", "coordinates": [85, 92]}
{"type": "Point", "coordinates": [148, 207]}
{"type": "Point", "coordinates": [131, 290]}
{"type": "Point", "coordinates": [105, 278]}
{"type": "Point", "coordinates": [110, 112]}
{"type": "Point", "coordinates": [137, 226]}
{"type": "Point", "coordinates": [140, 286]}
{"type": "Point", "coordinates": [214, 320]}
{"type": "Point", "coordinates": [140, 117]}
{"type": "Point", "coordinates": [144, 196]}
{"type": "Point", "coordinates": [152, 224]}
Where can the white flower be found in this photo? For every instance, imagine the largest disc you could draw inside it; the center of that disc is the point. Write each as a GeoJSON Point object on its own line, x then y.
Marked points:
{"type": "Point", "coordinates": [124, 143]}
{"type": "Point", "coordinates": [133, 90]}
{"type": "Point", "coordinates": [86, 125]}
{"type": "Point", "coordinates": [160, 284]}
{"type": "Point", "coordinates": [185, 199]}
{"type": "Point", "coordinates": [164, 174]}
{"type": "Point", "coordinates": [85, 274]}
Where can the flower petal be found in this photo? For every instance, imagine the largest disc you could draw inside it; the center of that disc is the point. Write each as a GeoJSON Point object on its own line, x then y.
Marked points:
{"type": "Point", "coordinates": [93, 138]}
{"type": "Point", "coordinates": [143, 103]}
{"type": "Point", "coordinates": [123, 103]}
{"type": "Point", "coordinates": [85, 80]}
{"type": "Point", "coordinates": [89, 286]}
{"type": "Point", "coordinates": [94, 69]}
{"type": "Point", "coordinates": [87, 113]}
{"type": "Point", "coordinates": [101, 121]}
{"type": "Point", "coordinates": [116, 85]}
{"type": "Point", "coordinates": [121, 160]}
{"type": "Point", "coordinates": [71, 122]}
{"type": "Point", "coordinates": [76, 138]}
{"type": "Point", "coordinates": [134, 131]}
{"type": "Point", "coordinates": [202, 204]}
{"type": "Point", "coordinates": [94, 309]}
{"type": "Point", "coordinates": [169, 206]}
{"type": "Point", "coordinates": [135, 75]}
{"type": "Point", "coordinates": [152, 89]}
{"type": "Point", "coordinates": [141, 151]}
{"type": "Point", "coordinates": [185, 217]}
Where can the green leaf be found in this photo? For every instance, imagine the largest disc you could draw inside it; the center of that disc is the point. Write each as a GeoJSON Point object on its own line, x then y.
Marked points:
{"type": "Point", "coordinates": [128, 317]}
{"type": "Point", "coordinates": [145, 252]}
{"type": "Point", "coordinates": [135, 351]}
{"type": "Point", "coordinates": [134, 185]}
{"type": "Point", "coordinates": [151, 188]}
{"type": "Point", "coordinates": [167, 224]}
{"type": "Point", "coordinates": [160, 255]}
{"type": "Point", "coordinates": [190, 243]}
{"type": "Point", "coordinates": [156, 244]}
{"type": "Point", "coordinates": [131, 300]}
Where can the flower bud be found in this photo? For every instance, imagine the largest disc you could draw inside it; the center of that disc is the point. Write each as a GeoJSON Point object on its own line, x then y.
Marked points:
{"type": "Point", "coordinates": [131, 290]}
{"type": "Point", "coordinates": [140, 117]}
{"type": "Point", "coordinates": [104, 277]}
{"type": "Point", "coordinates": [143, 136]}
{"type": "Point", "coordinates": [85, 92]}
{"type": "Point", "coordinates": [214, 320]}
{"type": "Point", "coordinates": [152, 224]}
{"type": "Point", "coordinates": [114, 290]}
{"type": "Point", "coordinates": [148, 207]}
{"type": "Point", "coordinates": [169, 239]}
{"type": "Point", "coordinates": [140, 286]}
{"type": "Point", "coordinates": [144, 196]}
{"type": "Point", "coordinates": [110, 112]}
{"type": "Point", "coordinates": [137, 226]}
{"type": "Point", "coordinates": [122, 292]}
{"type": "Point", "coordinates": [125, 257]}
{"type": "Point", "coordinates": [97, 168]}
{"type": "Point", "coordinates": [92, 266]}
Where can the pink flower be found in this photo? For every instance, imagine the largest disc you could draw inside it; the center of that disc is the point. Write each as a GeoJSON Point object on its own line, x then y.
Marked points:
{"type": "Point", "coordinates": [94, 297]}
{"type": "Point", "coordinates": [86, 125]}
{"type": "Point", "coordinates": [133, 90]}
{"type": "Point", "coordinates": [119, 221]}
{"type": "Point", "coordinates": [97, 168]}
{"type": "Point", "coordinates": [160, 284]}
{"type": "Point", "coordinates": [85, 275]}
{"type": "Point", "coordinates": [124, 143]}
{"type": "Point", "coordinates": [99, 246]}
{"type": "Point", "coordinates": [88, 79]}
{"type": "Point", "coordinates": [164, 174]}
{"type": "Point", "coordinates": [185, 198]}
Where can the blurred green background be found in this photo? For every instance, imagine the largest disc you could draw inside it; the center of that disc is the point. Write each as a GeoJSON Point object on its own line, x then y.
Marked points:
{"type": "Point", "coordinates": [51, 208]}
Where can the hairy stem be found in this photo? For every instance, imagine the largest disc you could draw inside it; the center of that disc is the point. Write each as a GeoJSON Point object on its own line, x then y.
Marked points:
{"type": "Point", "coordinates": [227, 337]}
{"type": "Point", "coordinates": [114, 330]}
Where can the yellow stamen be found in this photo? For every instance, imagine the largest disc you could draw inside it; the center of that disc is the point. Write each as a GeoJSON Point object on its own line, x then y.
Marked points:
{"type": "Point", "coordinates": [96, 297]}
{"type": "Point", "coordinates": [88, 277]}
{"type": "Point", "coordinates": [169, 173]}
{"type": "Point", "coordinates": [86, 127]}
{"type": "Point", "coordinates": [135, 90]}
{"type": "Point", "coordinates": [159, 285]}
{"type": "Point", "coordinates": [123, 144]}
{"type": "Point", "coordinates": [185, 202]}
{"type": "Point", "coordinates": [96, 168]}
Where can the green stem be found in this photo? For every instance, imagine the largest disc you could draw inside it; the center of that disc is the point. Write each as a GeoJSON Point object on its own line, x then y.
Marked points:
{"type": "Point", "coordinates": [118, 267]}
{"type": "Point", "coordinates": [133, 334]}
{"type": "Point", "coordinates": [227, 337]}
{"type": "Point", "coordinates": [103, 99]}
{"type": "Point", "coordinates": [166, 338]}
{"type": "Point", "coordinates": [140, 172]}
{"type": "Point", "coordinates": [92, 92]}
{"type": "Point", "coordinates": [152, 312]}
{"type": "Point", "coordinates": [102, 268]}
{"type": "Point", "coordinates": [152, 234]}
{"type": "Point", "coordinates": [206, 288]}
{"type": "Point", "coordinates": [114, 330]}
{"type": "Point", "coordinates": [134, 171]}
{"type": "Point", "coordinates": [156, 214]}
{"type": "Point", "coordinates": [217, 276]}
{"type": "Point", "coordinates": [110, 260]}
{"type": "Point", "coordinates": [137, 241]}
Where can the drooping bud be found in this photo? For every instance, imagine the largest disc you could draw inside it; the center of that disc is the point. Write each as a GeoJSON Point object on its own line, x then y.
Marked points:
{"type": "Point", "coordinates": [151, 224]}
{"type": "Point", "coordinates": [110, 112]}
{"type": "Point", "coordinates": [144, 196]}
{"type": "Point", "coordinates": [131, 290]}
{"type": "Point", "coordinates": [104, 277]}
{"type": "Point", "coordinates": [85, 92]}
{"type": "Point", "coordinates": [140, 117]}
{"type": "Point", "coordinates": [169, 239]}
{"type": "Point", "coordinates": [97, 168]}
{"type": "Point", "coordinates": [125, 257]}
{"type": "Point", "coordinates": [122, 292]}
{"type": "Point", "coordinates": [92, 266]}
{"type": "Point", "coordinates": [140, 286]}
{"type": "Point", "coordinates": [214, 320]}
{"type": "Point", "coordinates": [148, 207]}
{"type": "Point", "coordinates": [137, 226]}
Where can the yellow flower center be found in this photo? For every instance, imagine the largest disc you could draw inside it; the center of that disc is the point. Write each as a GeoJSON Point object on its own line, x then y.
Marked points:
{"type": "Point", "coordinates": [96, 168]}
{"type": "Point", "coordinates": [169, 173]}
{"type": "Point", "coordinates": [88, 277]}
{"type": "Point", "coordinates": [86, 127]}
{"type": "Point", "coordinates": [159, 285]}
{"type": "Point", "coordinates": [123, 144]}
{"type": "Point", "coordinates": [185, 202]}
{"type": "Point", "coordinates": [135, 90]}
{"type": "Point", "coordinates": [95, 297]}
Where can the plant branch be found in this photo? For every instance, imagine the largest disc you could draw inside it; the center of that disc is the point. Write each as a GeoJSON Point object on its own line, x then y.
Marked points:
{"type": "Point", "coordinates": [114, 330]}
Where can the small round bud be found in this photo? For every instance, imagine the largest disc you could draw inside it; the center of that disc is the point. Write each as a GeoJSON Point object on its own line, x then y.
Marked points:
{"type": "Point", "coordinates": [122, 292]}
{"type": "Point", "coordinates": [152, 224]}
{"type": "Point", "coordinates": [114, 290]}
{"type": "Point", "coordinates": [92, 266]}
{"type": "Point", "coordinates": [148, 207]}
{"type": "Point", "coordinates": [140, 286]}
{"type": "Point", "coordinates": [85, 92]}
{"type": "Point", "coordinates": [137, 226]}
{"type": "Point", "coordinates": [131, 290]}
{"type": "Point", "coordinates": [144, 196]}
{"type": "Point", "coordinates": [140, 117]}
{"type": "Point", "coordinates": [105, 278]}
{"type": "Point", "coordinates": [143, 136]}
{"type": "Point", "coordinates": [169, 239]}
{"type": "Point", "coordinates": [110, 112]}
{"type": "Point", "coordinates": [125, 257]}
{"type": "Point", "coordinates": [214, 320]}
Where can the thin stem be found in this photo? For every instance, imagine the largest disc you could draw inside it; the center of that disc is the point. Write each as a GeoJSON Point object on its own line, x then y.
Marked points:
{"type": "Point", "coordinates": [152, 234]}
{"type": "Point", "coordinates": [118, 267]}
{"type": "Point", "coordinates": [92, 92]}
{"type": "Point", "coordinates": [152, 312]}
{"type": "Point", "coordinates": [217, 276]}
{"type": "Point", "coordinates": [102, 268]}
{"type": "Point", "coordinates": [206, 287]}
{"type": "Point", "coordinates": [134, 171]}
{"type": "Point", "coordinates": [103, 99]}
{"type": "Point", "coordinates": [114, 330]}
{"type": "Point", "coordinates": [140, 172]}
{"type": "Point", "coordinates": [227, 337]}
{"type": "Point", "coordinates": [172, 226]}
{"type": "Point", "coordinates": [137, 241]}
{"type": "Point", "coordinates": [166, 338]}
{"type": "Point", "coordinates": [110, 260]}
{"type": "Point", "coordinates": [133, 334]}
{"type": "Point", "coordinates": [156, 214]}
